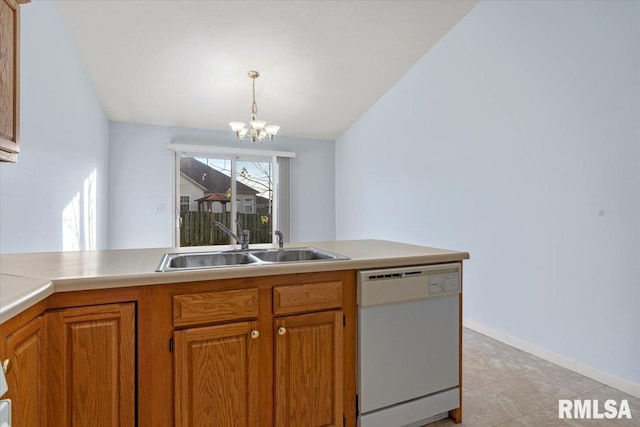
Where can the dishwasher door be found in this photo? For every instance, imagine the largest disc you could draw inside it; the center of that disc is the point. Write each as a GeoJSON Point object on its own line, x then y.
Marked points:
{"type": "Point", "coordinates": [408, 339]}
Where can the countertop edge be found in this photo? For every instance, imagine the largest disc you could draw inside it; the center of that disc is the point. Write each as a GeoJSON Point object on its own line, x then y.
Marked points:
{"type": "Point", "coordinates": [155, 278]}
{"type": "Point", "coordinates": [20, 303]}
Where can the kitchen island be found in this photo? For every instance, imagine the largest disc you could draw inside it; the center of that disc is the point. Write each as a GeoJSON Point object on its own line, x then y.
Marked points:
{"type": "Point", "coordinates": [102, 334]}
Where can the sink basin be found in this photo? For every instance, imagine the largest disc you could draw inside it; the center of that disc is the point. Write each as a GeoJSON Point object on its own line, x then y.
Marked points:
{"type": "Point", "coordinates": [296, 254]}
{"type": "Point", "coordinates": [235, 258]}
{"type": "Point", "coordinates": [204, 260]}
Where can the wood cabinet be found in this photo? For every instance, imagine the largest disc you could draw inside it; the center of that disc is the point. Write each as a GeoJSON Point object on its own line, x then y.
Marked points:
{"type": "Point", "coordinates": [217, 381]}
{"type": "Point", "coordinates": [91, 378]}
{"type": "Point", "coordinates": [271, 354]}
{"type": "Point", "coordinates": [216, 367]}
{"type": "Point", "coordinates": [9, 79]}
{"type": "Point", "coordinates": [26, 376]}
{"type": "Point", "coordinates": [207, 353]}
{"type": "Point", "coordinates": [308, 370]}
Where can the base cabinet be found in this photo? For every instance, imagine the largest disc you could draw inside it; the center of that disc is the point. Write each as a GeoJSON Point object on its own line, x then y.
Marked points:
{"type": "Point", "coordinates": [217, 373]}
{"type": "Point", "coordinates": [260, 351]}
{"type": "Point", "coordinates": [217, 380]}
{"type": "Point", "coordinates": [91, 379]}
{"type": "Point", "coordinates": [26, 376]}
{"type": "Point", "coordinates": [267, 352]}
{"type": "Point", "coordinates": [308, 370]}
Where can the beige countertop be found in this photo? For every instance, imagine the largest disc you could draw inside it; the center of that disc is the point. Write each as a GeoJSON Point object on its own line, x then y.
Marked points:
{"type": "Point", "coordinates": [19, 293]}
{"type": "Point", "coordinates": [28, 278]}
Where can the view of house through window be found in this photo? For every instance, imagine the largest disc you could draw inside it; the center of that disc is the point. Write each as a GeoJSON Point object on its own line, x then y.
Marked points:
{"type": "Point", "coordinates": [206, 196]}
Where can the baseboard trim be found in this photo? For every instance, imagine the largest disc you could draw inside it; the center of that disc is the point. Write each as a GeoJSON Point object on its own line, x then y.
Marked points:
{"type": "Point", "coordinates": [579, 367]}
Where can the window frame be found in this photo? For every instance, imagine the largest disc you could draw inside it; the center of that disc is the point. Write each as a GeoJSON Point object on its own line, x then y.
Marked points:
{"type": "Point", "coordinates": [234, 154]}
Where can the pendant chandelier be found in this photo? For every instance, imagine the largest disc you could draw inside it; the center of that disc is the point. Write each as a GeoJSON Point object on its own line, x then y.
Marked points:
{"type": "Point", "coordinates": [258, 129]}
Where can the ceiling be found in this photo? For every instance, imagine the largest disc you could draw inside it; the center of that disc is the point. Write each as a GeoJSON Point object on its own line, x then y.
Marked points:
{"type": "Point", "coordinates": [183, 63]}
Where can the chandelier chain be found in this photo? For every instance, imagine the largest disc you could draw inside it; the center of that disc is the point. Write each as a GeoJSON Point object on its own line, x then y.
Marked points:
{"type": "Point", "coordinates": [254, 106]}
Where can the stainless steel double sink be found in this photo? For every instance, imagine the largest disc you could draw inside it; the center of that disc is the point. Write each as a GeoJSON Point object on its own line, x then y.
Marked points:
{"type": "Point", "coordinates": [237, 258]}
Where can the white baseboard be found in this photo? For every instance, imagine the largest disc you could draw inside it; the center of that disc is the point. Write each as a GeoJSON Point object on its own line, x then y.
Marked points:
{"type": "Point", "coordinates": [579, 367]}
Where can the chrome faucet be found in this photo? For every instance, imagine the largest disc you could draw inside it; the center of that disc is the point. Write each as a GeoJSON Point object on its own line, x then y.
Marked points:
{"type": "Point", "coordinates": [280, 239]}
{"type": "Point", "coordinates": [244, 240]}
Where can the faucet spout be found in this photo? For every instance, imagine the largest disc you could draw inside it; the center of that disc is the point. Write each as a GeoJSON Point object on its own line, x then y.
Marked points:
{"type": "Point", "coordinates": [244, 240]}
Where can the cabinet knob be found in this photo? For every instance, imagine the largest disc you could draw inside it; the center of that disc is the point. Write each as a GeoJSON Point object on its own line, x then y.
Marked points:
{"type": "Point", "coordinates": [255, 334]}
{"type": "Point", "coordinates": [6, 366]}
{"type": "Point", "coordinates": [282, 330]}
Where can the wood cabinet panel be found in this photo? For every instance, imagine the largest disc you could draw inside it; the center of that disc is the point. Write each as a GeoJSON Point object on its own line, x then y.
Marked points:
{"type": "Point", "coordinates": [27, 377]}
{"type": "Point", "coordinates": [92, 375]}
{"type": "Point", "coordinates": [9, 79]}
{"type": "Point", "coordinates": [209, 307]}
{"type": "Point", "coordinates": [216, 379]}
{"type": "Point", "coordinates": [307, 297]}
{"type": "Point", "coordinates": [308, 370]}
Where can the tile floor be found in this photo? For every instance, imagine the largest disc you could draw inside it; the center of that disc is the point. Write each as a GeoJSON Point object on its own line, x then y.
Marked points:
{"type": "Point", "coordinates": [504, 386]}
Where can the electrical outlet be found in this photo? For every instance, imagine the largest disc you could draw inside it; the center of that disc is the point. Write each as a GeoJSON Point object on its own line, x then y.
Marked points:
{"type": "Point", "coordinates": [160, 208]}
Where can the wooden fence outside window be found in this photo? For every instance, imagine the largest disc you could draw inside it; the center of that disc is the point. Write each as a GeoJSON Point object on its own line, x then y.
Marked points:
{"type": "Point", "coordinates": [197, 228]}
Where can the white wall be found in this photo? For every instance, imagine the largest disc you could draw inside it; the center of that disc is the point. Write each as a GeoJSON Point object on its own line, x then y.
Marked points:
{"type": "Point", "coordinates": [51, 199]}
{"type": "Point", "coordinates": [520, 132]}
{"type": "Point", "coordinates": [141, 180]}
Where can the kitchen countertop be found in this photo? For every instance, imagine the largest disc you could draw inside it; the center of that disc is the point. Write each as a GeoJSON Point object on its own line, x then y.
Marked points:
{"type": "Point", "coordinates": [28, 278]}
{"type": "Point", "coordinates": [19, 293]}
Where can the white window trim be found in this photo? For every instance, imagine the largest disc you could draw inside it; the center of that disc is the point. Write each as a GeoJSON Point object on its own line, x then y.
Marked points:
{"type": "Point", "coordinates": [228, 151]}
{"type": "Point", "coordinates": [179, 148]}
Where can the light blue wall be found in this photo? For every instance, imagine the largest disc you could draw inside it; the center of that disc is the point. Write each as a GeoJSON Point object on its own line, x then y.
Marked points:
{"type": "Point", "coordinates": [64, 139]}
{"type": "Point", "coordinates": [517, 139]}
{"type": "Point", "coordinates": [141, 175]}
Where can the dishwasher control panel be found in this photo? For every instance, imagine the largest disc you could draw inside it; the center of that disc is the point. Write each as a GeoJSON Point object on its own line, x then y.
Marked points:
{"type": "Point", "coordinates": [443, 283]}
{"type": "Point", "coordinates": [391, 285]}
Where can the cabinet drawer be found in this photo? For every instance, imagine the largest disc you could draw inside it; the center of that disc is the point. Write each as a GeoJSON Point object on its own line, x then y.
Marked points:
{"type": "Point", "coordinates": [217, 306]}
{"type": "Point", "coordinates": [307, 297]}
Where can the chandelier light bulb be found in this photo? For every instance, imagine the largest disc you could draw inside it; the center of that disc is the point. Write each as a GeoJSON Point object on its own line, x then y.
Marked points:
{"type": "Point", "coordinates": [236, 126]}
{"type": "Point", "coordinates": [271, 130]}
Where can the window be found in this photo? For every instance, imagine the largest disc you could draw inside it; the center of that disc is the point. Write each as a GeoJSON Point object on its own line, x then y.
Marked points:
{"type": "Point", "coordinates": [248, 205]}
{"type": "Point", "coordinates": [252, 188]}
{"type": "Point", "coordinates": [184, 204]}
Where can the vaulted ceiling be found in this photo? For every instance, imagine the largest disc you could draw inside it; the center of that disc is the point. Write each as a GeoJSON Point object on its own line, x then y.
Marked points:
{"type": "Point", "coordinates": [322, 64]}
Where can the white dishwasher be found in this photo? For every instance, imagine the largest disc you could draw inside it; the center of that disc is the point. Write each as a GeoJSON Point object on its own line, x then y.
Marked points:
{"type": "Point", "coordinates": [408, 345]}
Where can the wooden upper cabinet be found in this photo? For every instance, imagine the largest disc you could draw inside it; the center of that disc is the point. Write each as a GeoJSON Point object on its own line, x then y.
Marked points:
{"type": "Point", "coordinates": [216, 376]}
{"type": "Point", "coordinates": [91, 379]}
{"type": "Point", "coordinates": [9, 79]}
{"type": "Point", "coordinates": [27, 376]}
{"type": "Point", "coordinates": [308, 370]}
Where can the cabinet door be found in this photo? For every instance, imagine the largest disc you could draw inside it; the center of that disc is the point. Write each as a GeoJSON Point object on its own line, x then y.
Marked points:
{"type": "Point", "coordinates": [27, 377]}
{"type": "Point", "coordinates": [92, 366]}
{"type": "Point", "coordinates": [217, 381]}
{"type": "Point", "coordinates": [308, 376]}
{"type": "Point", "coordinates": [9, 83]}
